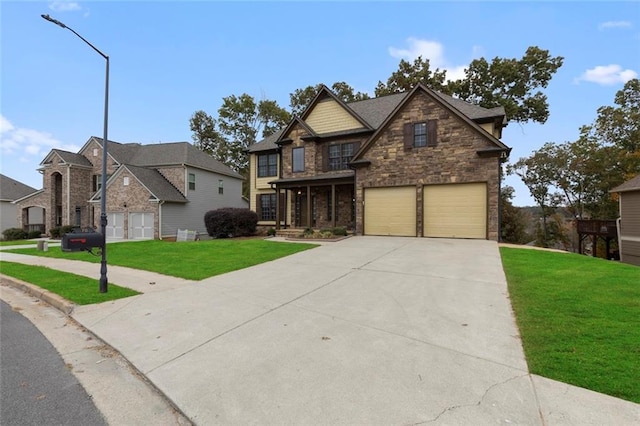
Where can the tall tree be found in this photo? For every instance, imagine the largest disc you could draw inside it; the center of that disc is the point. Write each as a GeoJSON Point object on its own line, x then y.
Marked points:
{"type": "Point", "coordinates": [508, 82]}
{"type": "Point", "coordinates": [409, 75]}
{"type": "Point", "coordinates": [620, 126]}
{"type": "Point", "coordinates": [206, 138]}
{"type": "Point", "coordinates": [513, 219]}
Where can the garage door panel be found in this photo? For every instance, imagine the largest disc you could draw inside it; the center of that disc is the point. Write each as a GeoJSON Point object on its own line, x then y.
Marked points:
{"type": "Point", "coordinates": [455, 211]}
{"type": "Point", "coordinates": [390, 211]}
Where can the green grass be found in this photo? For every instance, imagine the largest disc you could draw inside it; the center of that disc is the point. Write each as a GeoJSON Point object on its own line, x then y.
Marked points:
{"type": "Point", "coordinates": [579, 318]}
{"type": "Point", "coordinates": [194, 260]}
{"type": "Point", "coordinates": [17, 242]}
{"type": "Point", "coordinates": [75, 288]}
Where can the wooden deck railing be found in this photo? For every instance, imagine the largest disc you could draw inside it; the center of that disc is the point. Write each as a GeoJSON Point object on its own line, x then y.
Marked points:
{"type": "Point", "coordinates": [603, 228]}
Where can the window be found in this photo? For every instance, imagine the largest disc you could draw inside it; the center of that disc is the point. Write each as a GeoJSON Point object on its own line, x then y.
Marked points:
{"type": "Point", "coordinates": [267, 165]}
{"type": "Point", "coordinates": [126, 181]}
{"type": "Point", "coordinates": [78, 217]}
{"type": "Point", "coordinates": [420, 134]}
{"type": "Point", "coordinates": [192, 181]}
{"type": "Point", "coordinates": [298, 159]}
{"type": "Point", "coordinates": [340, 155]}
{"type": "Point", "coordinates": [268, 207]}
{"type": "Point", "coordinates": [97, 183]}
{"type": "Point", "coordinates": [95, 152]}
{"type": "Point", "coordinates": [220, 187]}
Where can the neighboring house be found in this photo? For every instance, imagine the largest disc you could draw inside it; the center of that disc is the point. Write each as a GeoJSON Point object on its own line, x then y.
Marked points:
{"type": "Point", "coordinates": [10, 191]}
{"type": "Point", "coordinates": [152, 190]}
{"type": "Point", "coordinates": [629, 221]}
{"type": "Point", "coordinates": [418, 163]}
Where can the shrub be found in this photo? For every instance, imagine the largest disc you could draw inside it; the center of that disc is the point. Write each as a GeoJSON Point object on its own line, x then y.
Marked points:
{"type": "Point", "coordinates": [33, 234]}
{"type": "Point", "coordinates": [66, 229]}
{"type": "Point", "coordinates": [12, 234]}
{"type": "Point", "coordinates": [55, 232]}
{"type": "Point", "coordinates": [339, 231]}
{"type": "Point", "coordinates": [271, 232]}
{"type": "Point", "coordinates": [230, 222]}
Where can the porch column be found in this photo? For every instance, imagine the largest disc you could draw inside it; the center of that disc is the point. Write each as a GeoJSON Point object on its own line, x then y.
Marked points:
{"type": "Point", "coordinates": [333, 205]}
{"type": "Point", "coordinates": [277, 208]}
{"type": "Point", "coordinates": [309, 212]}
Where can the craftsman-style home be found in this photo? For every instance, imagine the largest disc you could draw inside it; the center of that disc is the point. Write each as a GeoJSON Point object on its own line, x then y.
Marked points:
{"type": "Point", "coordinates": [418, 163]}
{"type": "Point", "coordinates": [152, 190]}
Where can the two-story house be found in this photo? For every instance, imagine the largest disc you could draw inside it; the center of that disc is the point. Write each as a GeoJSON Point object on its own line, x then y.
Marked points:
{"type": "Point", "coordinates": [152, 190]}
{"type": "Point", "coordinates": [419, 163]}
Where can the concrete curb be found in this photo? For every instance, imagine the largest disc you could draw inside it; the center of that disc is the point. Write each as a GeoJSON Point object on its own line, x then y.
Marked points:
{"type": "Point", "coordinates": [52, 299]}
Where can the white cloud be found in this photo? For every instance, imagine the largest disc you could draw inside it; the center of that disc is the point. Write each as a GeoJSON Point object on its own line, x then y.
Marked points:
{"type": "Point", "coordinates": [607, 75]}
{"type": "Point", "coordinates": [614, 24]}
{"type": "Point", "coordinates": [29, 142]}
{"type": "Point", "coordinates": [64, 6]}
{"type": "Point", "coordinates": [434, 52]}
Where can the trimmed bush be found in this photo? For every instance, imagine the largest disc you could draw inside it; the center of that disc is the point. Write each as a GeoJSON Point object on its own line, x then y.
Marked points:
{"type": "Point", "coordinates": [271, 232]}
{"type": "Point", "coordinates": [230, 222]}
{"type": "Point", "coordinates": [55, 232]}
{"type": "Point", "coordinates": [66, 229]}
{"type": "Point", "coordinates": [12, 234]}
{"type": "Point", "coordinates": [33, 234]}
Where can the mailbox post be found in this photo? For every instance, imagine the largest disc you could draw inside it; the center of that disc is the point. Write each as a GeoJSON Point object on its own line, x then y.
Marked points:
{"type": "Point", "coordinates": [103, 196]}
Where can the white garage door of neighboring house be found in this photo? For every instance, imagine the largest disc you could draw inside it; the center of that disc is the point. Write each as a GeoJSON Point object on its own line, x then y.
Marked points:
{"type": "Point", "coordinates": [115, 225]}
{"type": "Point", "coordinates": [455, 210]}
{"type": "Point", "coordinates": [390, 211]}
{"type": "Point", "coordinates": [140, 226]}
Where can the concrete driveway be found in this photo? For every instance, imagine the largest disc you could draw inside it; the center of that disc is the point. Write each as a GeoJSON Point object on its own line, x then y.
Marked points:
{"type": "Point", "coordinates": [369, 330]}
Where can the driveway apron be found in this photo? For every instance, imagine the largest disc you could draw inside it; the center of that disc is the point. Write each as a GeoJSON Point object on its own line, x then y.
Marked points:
{"type": "Point", "coordinates": [368, 330]}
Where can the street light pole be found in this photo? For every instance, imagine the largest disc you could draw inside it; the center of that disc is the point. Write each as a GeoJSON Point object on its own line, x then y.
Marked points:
{"type": "Point", "coordinates": [103, 196]}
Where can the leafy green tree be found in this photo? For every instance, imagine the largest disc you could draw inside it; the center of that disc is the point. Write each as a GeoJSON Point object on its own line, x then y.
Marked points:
{"type": "Point", "coordinates": [537, 173]}
{"type": "Point", "coordinates": [409, 75]}
{"type": "Point", "coordinates": [508, 82]}
{"type": "Point", "coordinates": [620, 126]}
{"type": "Point", "coordinates": [206, 138]}
{"type": "Point", "coordinates": [513, 219]}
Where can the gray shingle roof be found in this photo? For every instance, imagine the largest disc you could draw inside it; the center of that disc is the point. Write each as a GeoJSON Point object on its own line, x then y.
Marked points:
{"type": "Point", "coordinates": [159, 186]}
{"type": "Point", "coordinates": [72, 158]}
{"type": "Point", "coordinates": [11, 189]}
{"type": "Point", "coordinates": [376, 110]}
{"type": "Point", "coordinates": [166, 154]}
{"type": "Point", "coordinates": [630, 185]}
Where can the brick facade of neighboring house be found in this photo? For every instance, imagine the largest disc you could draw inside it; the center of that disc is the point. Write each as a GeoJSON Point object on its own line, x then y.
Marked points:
{"type": "Point", "coordinates": [415, 164]}
{"type": "Point", "coordinates": [629, 221]}
{"type": "Point", "coordinates": [148, 190]}
{"type": "Point", "coordinates": [10, 191]}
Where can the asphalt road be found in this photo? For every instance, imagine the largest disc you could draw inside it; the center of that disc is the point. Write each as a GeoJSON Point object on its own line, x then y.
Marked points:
{"type": "Point", "coordinates": [36, 387]}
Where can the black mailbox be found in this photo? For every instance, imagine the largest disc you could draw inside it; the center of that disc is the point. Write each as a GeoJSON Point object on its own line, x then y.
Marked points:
{"type": "Point", "coordinates": [81, 241]}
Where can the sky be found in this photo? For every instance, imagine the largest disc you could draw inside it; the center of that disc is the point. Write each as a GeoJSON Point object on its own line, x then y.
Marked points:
{"type": "Point", "coordinates": [169, 59]}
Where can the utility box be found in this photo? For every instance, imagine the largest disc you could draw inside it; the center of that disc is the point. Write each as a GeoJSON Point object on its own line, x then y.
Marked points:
{"type": "Point", "coordinates": [82, 241]}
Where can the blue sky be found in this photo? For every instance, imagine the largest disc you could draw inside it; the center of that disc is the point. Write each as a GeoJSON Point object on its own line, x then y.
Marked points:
{"type": "Point", "coordinates": [169, 59]}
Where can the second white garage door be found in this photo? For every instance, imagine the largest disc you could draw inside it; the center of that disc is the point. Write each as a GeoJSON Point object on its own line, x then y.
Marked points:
{"type": "Point", "coordinates": [455, 211]}
{"type": "Point", "coordinates": [390, 211]}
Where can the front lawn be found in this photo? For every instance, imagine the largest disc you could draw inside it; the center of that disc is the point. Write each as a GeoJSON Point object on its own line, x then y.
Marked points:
{"type": "Point", "coordinates": [75, 288]}
{"type": "Point", "coordinates": [193, 260]}
{"type": "Point", "coordinates": [579, 318]}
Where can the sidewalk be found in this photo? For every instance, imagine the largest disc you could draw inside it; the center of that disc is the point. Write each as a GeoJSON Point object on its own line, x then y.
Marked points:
{"type": "Point", "coordinates": [364, 331]}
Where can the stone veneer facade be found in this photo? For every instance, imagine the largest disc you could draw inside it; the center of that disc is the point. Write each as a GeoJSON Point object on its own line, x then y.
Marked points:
{"type": "Point", "coordinates": [453, 160]}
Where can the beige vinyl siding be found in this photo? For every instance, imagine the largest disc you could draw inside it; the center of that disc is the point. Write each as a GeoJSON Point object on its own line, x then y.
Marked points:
{"type": "Point", "coordinates": [260, 182]}
{"type": "Point", "coordinates": [329, 116]}
{"type": "Point", "coordinates": [390, 211]}
{"type": "Point", "coordinates": [630, 213]}
{"type": "Point", "coordinates": [455, 210]}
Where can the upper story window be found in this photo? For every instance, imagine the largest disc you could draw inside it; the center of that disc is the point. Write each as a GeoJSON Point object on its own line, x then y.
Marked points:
{"type": "Point", "coordinates": [267, 165]}
{"type": "Point", "coordinates": [192, 181]}
{"type": "Point", "coordinates": [420, 134]}
{"type": "Point", "coordinates": [340, 155]}
{"type": "Point", "coordinates": [298, 160]}
{"type": "Point", "coordinates": [220, 186]}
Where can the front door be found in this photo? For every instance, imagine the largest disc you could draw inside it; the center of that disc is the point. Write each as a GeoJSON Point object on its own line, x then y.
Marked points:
{"type": "Point", "coordinates": [301, 211]}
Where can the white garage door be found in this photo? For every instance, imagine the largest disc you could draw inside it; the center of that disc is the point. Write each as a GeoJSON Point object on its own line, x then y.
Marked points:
{"type": "Point", "coordinates": [115, 226]}
{"type": "Point", "coordinates": [141, 226]}
{"type": "Point", "coordinates": [390, 211]}
{"type": "Point", "coordinates": [455, 211]}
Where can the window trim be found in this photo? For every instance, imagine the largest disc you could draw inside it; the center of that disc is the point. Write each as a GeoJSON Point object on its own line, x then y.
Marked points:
{"type": "Point", "coordinates": [191, 185]}
{"type": "Point", "coordinates": [268, 169]}
{"type": "Point", "coordinates": [293, 160]}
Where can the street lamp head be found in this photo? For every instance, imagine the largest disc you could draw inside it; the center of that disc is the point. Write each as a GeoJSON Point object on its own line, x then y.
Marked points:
{"type": "Point", "coordinates": [55, 21]}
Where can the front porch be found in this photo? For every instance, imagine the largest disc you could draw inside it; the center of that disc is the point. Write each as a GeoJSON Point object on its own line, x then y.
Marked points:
{"type": "Point", "coordinates": [319, 202]}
